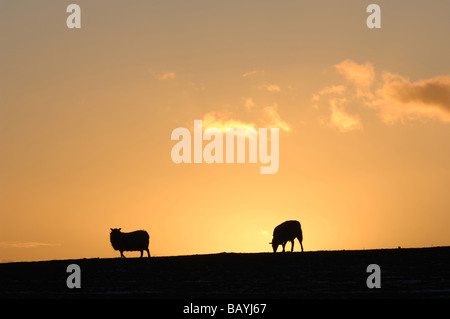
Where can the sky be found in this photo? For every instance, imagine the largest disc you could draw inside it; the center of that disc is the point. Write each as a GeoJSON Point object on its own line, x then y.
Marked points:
{"type": "Point", "coordinates": [86, 117]}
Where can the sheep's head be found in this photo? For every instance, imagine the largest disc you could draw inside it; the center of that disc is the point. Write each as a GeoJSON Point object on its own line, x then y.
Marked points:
{"type": "Point", "coordinates": [115, 230]}
{"type": "Point", "coordinates": [275, 244]}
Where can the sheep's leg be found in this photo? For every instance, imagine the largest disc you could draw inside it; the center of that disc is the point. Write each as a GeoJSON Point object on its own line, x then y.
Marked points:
{"type": "Point", "coordinates": [283, 244]}
{"type": "Point", "coordinates": [121, 254]}
{"type": "Point", "coordinates": [292, 247]}
{"type": "Point", "coordinates": [148, 252]}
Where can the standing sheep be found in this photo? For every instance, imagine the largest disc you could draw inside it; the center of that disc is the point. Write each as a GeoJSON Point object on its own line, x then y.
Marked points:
{"type": "Point", "coordinates": [134, 241]}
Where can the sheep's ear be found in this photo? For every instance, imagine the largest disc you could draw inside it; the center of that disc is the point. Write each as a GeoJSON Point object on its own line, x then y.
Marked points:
{"type": "Point", "coordinates": [120, 229]}
{"type": "Point", "coordinates": [270, 243]}
{"type": "Point", "coordinates": [111, 228]}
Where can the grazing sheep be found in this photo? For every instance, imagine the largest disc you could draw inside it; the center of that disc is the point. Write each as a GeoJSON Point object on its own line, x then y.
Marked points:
{"type": "Point", "coordinates": [285, 232]}
{"type": "Point", "coordinates": [134, 241]}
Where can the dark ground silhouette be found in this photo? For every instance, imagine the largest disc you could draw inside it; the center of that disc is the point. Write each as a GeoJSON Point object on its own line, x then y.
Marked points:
{"type": "Point", "coordinates": [405, 273]}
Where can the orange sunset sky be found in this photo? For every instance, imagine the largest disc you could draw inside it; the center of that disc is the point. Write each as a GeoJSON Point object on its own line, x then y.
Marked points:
{"type": "Point", "coordinates": [86, 117]}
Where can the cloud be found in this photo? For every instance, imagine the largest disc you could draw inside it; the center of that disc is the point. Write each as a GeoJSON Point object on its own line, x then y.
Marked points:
{"type": "Point", "coordinates": [362, 75]}
{"type": "Point", "coordinates": [334, 89]}
{"type": "Point", "coordinates": [271, 88]}
{"type": "Point", "coordinates": [249, 104]}
{"type": "Point", "coordinates": [275, 118]}
{"type": "Point", "coordinates": [399, 99]}
{"type": "Point", "coordinates": [394, 97]}
{"type": "Point", "coordinates": [267, 117]}
{"type": "Point", "coordinates": [166, 76]}
{"type": "Point", "coordinates": [223, 121]}
{"type": "Point", "coordinates": [342, 120]}
{"type": "Point", "coordinates": [253, 72]}
{"type": "Point", "coordinates": [25, 244]}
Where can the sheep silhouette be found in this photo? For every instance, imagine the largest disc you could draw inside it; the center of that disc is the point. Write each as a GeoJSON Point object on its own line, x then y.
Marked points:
{"type": "Point", "coordinates": [134, 241]}
{"type": "Point", "coordinates": [287, 231]}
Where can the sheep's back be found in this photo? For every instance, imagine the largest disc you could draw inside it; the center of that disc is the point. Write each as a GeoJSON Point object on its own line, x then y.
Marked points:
{"type": "Point", "coordinates": [137, 240]}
